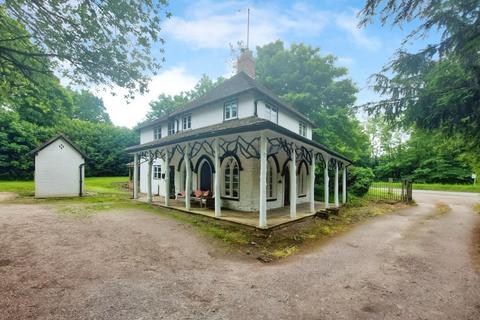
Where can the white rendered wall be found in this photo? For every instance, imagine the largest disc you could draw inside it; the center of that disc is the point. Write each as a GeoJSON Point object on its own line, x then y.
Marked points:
{"type": "Point", "coordinates": [57, 171]}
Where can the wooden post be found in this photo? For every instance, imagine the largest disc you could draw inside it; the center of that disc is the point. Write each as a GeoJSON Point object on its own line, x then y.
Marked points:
{"type": "Point", "coordinates": [262, 212]}
{"type": "Point", "coordinates": [337, 204]}
{"type": "Point", "coordinates": [149, 179]}
{"type": "Point", "coordinates": [326, 181]}
{"type": "Point", "coordinates": [167, 178]}
{"type": "Point", "coordinates": [312, 186]}
{"type": "Point", "coordinates": [187, 178]}
{"type": "Point", "coordinates": [135, 176]}
{"type": "Point", "coordinates": [344, 184]}
{"type": "Point", "coordinates": [216, 185]}
{"type": "Point", "coordinates": [293, 184]}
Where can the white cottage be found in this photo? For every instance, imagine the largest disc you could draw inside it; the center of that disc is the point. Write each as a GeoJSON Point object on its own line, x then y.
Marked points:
{"type": "Point", "coordinates": [237, 147]}
{"type": "Point", "coordinates": [59, 168]}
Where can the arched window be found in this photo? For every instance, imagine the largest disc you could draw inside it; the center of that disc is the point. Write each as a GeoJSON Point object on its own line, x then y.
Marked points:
{"type": "Point", "coordinates": [231, 185]}
{"type": "Point", "coordinates": [271, 180]}
{"type": "Point", "coordinates": [302, 181]}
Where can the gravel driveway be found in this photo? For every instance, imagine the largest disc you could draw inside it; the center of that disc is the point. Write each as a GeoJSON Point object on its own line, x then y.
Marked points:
{"type": "Point", "coordinates": [413, 264]}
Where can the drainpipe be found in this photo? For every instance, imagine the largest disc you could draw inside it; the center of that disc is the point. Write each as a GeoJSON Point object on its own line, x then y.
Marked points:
{"type": "Point", "coordinates": [256, 108]}
{"type": "Point", "coordinates": [80, 167]}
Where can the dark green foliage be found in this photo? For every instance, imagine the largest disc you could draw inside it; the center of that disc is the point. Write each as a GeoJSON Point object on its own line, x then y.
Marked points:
{"type": "Point", "coordinates": [359, 180]}
{"type": "Point", "coordinates": [90, 42]}
{"type": "Point", "coordinates": [426, 157]}
{"type": "Point", "coordinates": [438, 87]}
{"type": "Point", "coordinates": [89, 107]}
{"type": "Point", "coordinates": [17, 138]}
{"type": "Point", "coordinates": [103, 143]}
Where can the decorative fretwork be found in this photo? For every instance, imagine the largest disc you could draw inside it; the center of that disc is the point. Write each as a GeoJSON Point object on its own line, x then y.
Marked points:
{"type": "Point", "coordinates": [303, 153]}
{"type": "Point", "coordinates": [248, 149]}
{"type": "Point", "coordinates": [320, 159]}
{"type": "Point", "coordinates": [204, 145]}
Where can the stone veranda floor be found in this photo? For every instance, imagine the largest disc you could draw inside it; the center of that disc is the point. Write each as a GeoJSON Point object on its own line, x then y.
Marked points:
{"type": "Point", "coordinates": [275, 217]}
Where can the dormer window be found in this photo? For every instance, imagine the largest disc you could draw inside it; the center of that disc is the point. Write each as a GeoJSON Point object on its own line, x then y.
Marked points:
{"type": "Point", "coordinates": [187, 122]}
{"type": "Point", "coordinates": [157, 133]}
{"type": "Point", "coordinates": [171, 127]}
{"type": "Point", "coordinates": [230, 110]}
{"type": "Point", "coordinates": [303, 129]}
{"type": "Point", "coordinates": [272, 113]}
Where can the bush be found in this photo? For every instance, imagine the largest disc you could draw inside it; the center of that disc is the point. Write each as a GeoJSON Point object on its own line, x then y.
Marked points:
{"type": "Point", "coordinates": [359, 180]}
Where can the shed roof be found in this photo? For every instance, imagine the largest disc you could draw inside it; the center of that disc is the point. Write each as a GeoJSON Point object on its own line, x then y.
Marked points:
{"type": "Point", "coordinates": [55, 138]}
{"type": "Point", "coordinates": [241, 82]}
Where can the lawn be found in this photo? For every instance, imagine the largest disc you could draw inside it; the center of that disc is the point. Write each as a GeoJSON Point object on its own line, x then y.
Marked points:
{"type": "Point", "coordinates": [435, 186]}
{"type": "Point", "coordinates": [110, 193]}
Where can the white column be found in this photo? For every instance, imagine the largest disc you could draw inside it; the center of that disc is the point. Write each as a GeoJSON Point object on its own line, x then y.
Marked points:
{"type": "Point", "coordinates": [149, 179]}
{"type": "Point", "coordinates": [336, 185]}
{"type": "Point", "coordinates": [293, 185]}
{"type": "Point", "coordinates": [326, 180]}
{"type": "Point", "coordinates": [216, 183]}
{"type": "Point", "coordinates": [312, 186]}
{"type": "Point", "coordinates": [167, 178]}
{"type": "Point", "coordinates": [262, 212]}
{"type": "Point", "coordinates": [135, 176]}
{"type": "Point", "coordinates": [188, 170]}
{"type": "Point", "coordinates": [344, 184]}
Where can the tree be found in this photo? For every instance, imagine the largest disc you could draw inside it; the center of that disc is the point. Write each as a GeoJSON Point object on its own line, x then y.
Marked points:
{"type": "Point", "coordinates": [90, 42]}
{"type": "Point", "coordinates": [87, 106]}
{"type": "Point", "coordinates": [438, 87]}
{"type": "Point", "coordinates": [166, 104]}
{"type": "Point", "coordinates": [317, 88]}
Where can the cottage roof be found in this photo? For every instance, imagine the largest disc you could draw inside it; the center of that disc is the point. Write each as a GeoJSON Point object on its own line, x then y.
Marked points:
{"type": "Point", "coordinates": [52, 140]}
{"type": "Point", "coordinates": [239, 83]}
{"type": "Point", "coordinates": [230, 127]}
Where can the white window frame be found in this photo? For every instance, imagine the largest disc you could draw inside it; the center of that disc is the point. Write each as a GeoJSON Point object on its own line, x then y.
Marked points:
{"type": "Point", "coordinates": [302, 129]}
{"type": "Point", "coordinates": [229, 188]}
{"type": "Point", "coordinates": [171, 127]}
{"type": "Point", "coordinates": [270, 116]}
{"type": "Point", "coordinates": [230, 110]}
{"type": "Point", "coordinates": [157, 133]}
{"type": "Point", "coordinates": [157, 172]}
{"type": "Point", "coordinates": [187, 122]}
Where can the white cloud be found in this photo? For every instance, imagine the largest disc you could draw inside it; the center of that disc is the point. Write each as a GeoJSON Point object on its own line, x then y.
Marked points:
{"type": "Point", "coordinates": [122, 113]}
{"type": "Point", "coordinates": [215, 25]}
{"type": "Point", "coordinates": [349, 23]}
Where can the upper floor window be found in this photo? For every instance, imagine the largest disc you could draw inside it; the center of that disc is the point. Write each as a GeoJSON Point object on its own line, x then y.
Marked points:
{"type": "Point", "coordinates": [171, 127]}
{"type": "Point", "coordinates": [157, 172]}
{"type": "Point", "coordinates": [272, 113]}
{"type": "Point", "coordinates": [187, 122]}
{"type": "Point", "coordinates": [157, 133]}
{"type": "Point", "coordinates": [231, 110]}
{"type": "Point", "coordinates": [303, 129]}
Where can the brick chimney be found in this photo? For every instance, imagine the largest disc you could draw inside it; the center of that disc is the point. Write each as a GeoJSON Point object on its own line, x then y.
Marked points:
{"type": "Point", "coordinates": [246, 63]}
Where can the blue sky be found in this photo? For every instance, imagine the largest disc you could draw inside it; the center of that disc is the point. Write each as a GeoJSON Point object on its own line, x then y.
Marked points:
{"type": "Point", "coordinates": [199, 34]}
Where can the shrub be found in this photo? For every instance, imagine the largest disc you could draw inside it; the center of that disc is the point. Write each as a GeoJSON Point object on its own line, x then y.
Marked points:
{"type": "Point", "coordinates": [359, 180]}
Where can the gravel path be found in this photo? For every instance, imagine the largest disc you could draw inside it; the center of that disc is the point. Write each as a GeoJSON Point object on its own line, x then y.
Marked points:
{"type": "Point", "coordinates": [413, 264]}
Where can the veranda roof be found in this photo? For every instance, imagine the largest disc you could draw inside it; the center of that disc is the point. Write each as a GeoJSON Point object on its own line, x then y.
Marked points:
{"type": "Point", "coordinates": [231, 127]}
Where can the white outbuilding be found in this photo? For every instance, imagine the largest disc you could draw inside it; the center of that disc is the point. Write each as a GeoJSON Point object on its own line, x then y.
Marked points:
{"type": "Point", "coordinates": [59, 168]}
